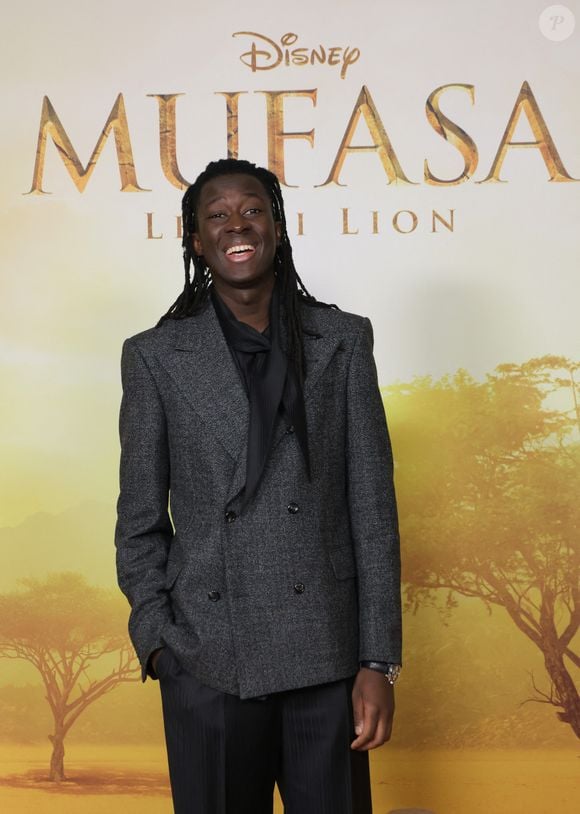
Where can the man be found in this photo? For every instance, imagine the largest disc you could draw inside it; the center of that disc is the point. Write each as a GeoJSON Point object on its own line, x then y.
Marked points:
{"type": "Point", "coordinates": [268, 605]}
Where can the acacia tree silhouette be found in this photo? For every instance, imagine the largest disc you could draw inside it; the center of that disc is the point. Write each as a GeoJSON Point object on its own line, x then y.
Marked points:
{"type": "Point", "coordinates": [63, 626]}
{"type": "Point", "coordinates": [488, 489]}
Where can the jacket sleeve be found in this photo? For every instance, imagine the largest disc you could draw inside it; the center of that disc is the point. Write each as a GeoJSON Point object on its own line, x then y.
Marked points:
{"type": "Point", "coordinates": [372, 509]}
{"type": "Point", "coordinates": [143, 531]}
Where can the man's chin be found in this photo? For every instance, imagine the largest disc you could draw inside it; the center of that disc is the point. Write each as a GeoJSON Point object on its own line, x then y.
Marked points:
{"type": "Point", "coordinates": [245, 278]}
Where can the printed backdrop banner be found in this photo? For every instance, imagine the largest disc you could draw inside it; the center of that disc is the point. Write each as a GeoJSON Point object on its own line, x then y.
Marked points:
{"type": "Point", "coordinates": [430, 162]}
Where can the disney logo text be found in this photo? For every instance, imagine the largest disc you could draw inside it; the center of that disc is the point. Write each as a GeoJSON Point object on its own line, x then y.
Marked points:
{"type": "Point", "coordinates": [270, 55]}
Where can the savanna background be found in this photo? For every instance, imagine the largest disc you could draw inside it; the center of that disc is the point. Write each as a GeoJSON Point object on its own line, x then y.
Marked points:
{"type": "Point", "coordinates": [476, 341]}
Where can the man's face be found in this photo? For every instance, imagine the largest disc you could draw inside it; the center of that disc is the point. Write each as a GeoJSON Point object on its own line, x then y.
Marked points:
{"type": "Point", "coordinates": [236, 232]}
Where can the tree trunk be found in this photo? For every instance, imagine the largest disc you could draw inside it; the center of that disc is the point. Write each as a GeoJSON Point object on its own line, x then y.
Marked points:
{"type": "Point", "coordinates": [566, 694]}
{"type": "Point", "coordinates": [57, 757]}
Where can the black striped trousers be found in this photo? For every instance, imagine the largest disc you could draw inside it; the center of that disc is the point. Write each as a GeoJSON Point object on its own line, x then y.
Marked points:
{"type": "Point", "coordinates": [225, 755]}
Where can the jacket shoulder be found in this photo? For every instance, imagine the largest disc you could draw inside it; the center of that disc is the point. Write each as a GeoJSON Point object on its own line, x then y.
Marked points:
{"type": "Point", "coordinates": [332, 320]}
{"type": "Point", "coordinates": [151, 338]}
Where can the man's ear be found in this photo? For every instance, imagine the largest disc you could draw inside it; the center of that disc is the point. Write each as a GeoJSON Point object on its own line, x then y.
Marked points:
{"type": "Point", "coordinates": [278, 227]}
{"type": "Point", "coordinates": [196, 243]}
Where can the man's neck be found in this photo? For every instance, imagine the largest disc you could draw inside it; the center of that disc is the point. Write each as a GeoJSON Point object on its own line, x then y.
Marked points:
{"type": "Point", "coordinates": [249, 305]}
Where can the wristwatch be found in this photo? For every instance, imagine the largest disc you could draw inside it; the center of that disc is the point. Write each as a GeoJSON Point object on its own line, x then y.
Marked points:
{"type": "Point", "coordinates": [390, 671]}
{"type": "Point", "coordinates": [393, 672]}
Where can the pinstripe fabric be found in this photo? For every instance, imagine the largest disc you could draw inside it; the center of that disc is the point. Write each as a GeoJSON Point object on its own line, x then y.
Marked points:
{"type": "Point", "coordinates": [193, 716]}
{"type": "Point", "coordinates": [225, 754]}
{"type": "Point", "coordinates": [319, 773]}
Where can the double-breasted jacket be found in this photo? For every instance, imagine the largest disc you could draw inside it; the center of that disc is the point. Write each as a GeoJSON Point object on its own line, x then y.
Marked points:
{"type": "Point", "coordinates": [305, 582]}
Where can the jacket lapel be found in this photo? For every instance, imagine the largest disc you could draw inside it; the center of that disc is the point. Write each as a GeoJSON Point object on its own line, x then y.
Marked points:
{"type": "Point", "coordinates": [319, 348]}
{"type": "Point", "coordinates": [318, 352]}
{"type": "Point", "coordinates": [203, 369]}
{"type": "Point", "coordinates": [201, 365]}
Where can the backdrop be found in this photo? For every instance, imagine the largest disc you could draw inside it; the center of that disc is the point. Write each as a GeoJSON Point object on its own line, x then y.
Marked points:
{"type": "Point", "coordinates": [430, 158]}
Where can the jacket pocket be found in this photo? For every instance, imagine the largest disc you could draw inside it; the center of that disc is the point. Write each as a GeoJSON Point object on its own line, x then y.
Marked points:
{"type": "Point", "coordinates": [343, 563]}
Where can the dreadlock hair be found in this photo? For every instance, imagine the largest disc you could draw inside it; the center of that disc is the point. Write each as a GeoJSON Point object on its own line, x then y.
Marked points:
{"type": "Point", "coordinates": [196, 291]}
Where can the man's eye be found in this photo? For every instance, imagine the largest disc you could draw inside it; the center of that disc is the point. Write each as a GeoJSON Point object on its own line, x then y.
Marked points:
{"type": "Point", "coordinates": [253, 210]}
{"type": "Point", "coordinates": [216, 215]}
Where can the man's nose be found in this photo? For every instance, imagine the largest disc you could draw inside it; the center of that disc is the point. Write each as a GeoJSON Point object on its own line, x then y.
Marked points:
{"type": "Point", "coordinates": [236, 222]}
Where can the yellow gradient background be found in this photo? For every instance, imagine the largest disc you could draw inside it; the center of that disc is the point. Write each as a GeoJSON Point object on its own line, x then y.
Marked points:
{"type": "Point", "coordinates": [476, 341]}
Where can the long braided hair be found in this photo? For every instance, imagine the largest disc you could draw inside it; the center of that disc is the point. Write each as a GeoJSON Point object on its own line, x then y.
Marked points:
{"type": "Point", "coordinates": [196, 290]}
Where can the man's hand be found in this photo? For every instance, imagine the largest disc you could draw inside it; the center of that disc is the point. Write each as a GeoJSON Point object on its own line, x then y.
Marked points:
{"type": "Point", "coordinates": [373, 703]}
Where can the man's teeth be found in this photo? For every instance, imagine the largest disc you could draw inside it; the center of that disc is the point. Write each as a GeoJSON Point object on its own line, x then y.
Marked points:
{"type": "Point", "coordinates": [239, 249]}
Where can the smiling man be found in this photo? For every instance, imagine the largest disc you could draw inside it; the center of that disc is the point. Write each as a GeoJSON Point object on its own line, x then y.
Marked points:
{"type": "Point", "coordinates": [268, 604]}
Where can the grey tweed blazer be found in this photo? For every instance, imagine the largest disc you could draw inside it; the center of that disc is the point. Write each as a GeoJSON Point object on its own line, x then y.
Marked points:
{"type": "Point", "coordinates": [306, 582]}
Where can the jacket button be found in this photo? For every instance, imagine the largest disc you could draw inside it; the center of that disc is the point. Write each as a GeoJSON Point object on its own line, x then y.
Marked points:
{"type": "Point", "coordinates": [230, 517]}
{"type": "Point", "coordinates": [293, 507]}
{"type": "Point", "coordinates": [214, 596]}
{"type": "Point", "coordinates": [299, 588]}
{"type": "Point", "coordinates": [290, 429]}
